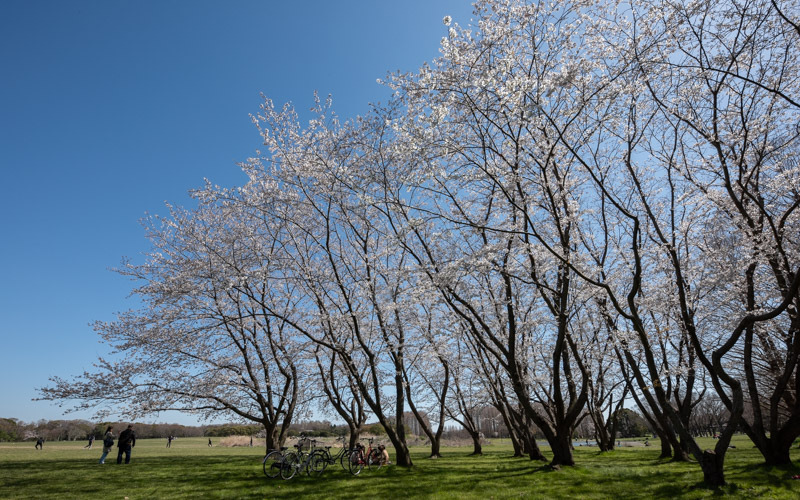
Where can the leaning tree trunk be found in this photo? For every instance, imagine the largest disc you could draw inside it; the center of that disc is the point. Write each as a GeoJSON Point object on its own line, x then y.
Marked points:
{"type": "Point", "coordinates": [397, 435]}
{"type": "Point", "coordinates": [513, 433]}
{"type": "Point", "coordinates": [434, 437]}
{"type": "Point", "coordinates": [515, 442]}
{"type": "Point", "coordinates": [402, 455]}
{"type": "Point", "coordinates": [604, 441]}
{"type": "Point", "coordinates": [526, 444]}
{"type": "Point", "coordinates": [529, 445]}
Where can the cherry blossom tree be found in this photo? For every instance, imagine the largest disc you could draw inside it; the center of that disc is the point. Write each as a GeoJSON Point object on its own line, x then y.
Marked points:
{"type": "Point", "coordinates": [731, 95]}
{"type": "Point", "coordinates": [201, 341]}
{"type": "Point", "coordinates": [494, 191]}
{"type": "Point", "coordinates": [341, 393]}
{"type": "Point", "coordinates": [351, 285]}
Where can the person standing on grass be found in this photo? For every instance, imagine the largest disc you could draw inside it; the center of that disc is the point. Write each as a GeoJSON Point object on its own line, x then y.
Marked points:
{"type": "Point", "coordinates": [209, 442]}
{"type": "Point", "coordinates": [39, 443]}
{"type": "Point", "coordinates": [169, 441]}
{"type": "Point", "coordinates": [127, 440]}
{"type": "Point", "coordinates": [91, 441]}
{"type": "Point", "coordinates": [108, 443]}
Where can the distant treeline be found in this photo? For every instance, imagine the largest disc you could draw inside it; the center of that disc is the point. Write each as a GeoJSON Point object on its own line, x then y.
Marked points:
{"type": "Point", "coordinates": [12, 429]}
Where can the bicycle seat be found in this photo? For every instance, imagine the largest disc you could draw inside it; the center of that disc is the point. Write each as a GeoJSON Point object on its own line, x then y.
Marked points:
{"type": "Point", "coordinates": [283, 448]}
{"type": "Point", "coordinates": [328, 447]}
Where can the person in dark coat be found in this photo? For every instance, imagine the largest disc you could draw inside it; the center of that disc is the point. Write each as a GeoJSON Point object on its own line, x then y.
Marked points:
{"type": "Point", "coordinates": [127, 440]}
{"type": "Point", "coordinates": [39, 443]}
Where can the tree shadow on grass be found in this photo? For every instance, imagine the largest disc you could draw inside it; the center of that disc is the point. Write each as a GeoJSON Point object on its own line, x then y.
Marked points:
{"type": "Point", "coordinates": [791, 468]}
{"type": "Point", "coordinates": [184, 472]}
{"type": "Point", "coordinates": [765, 475]}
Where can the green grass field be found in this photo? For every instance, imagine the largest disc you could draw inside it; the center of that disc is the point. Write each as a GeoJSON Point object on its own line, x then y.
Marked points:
{"type": "Point", "coordinates": [192, 470]}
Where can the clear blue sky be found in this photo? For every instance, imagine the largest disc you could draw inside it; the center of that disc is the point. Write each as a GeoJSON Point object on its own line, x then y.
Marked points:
{"type": "Point", "coordinates": [109, 108]}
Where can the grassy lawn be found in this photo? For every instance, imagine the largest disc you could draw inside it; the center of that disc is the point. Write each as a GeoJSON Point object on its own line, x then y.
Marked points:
{"type": "Point", "coordinates": [192, 470]}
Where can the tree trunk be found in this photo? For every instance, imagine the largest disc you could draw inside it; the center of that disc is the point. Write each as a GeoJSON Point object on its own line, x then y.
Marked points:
{"type": "Point", "coordinates": [529, 445]}
{"type": "Point", "coordinates": [778, 452]}
{"type": "Point", "coordinates": [355, 432]}
{"type": "Point", "coordinates": [515, 442]}
{"type": "Point", "coordinates": [402, 455]}
{"type": "Point", "coordinates": [476, 443]}
{"type": "Point", "coordinates": [534, 453]}
{"type": "Point", "coordinates": [712, 465]}
{"type": "Point", "coordinates": [775, 448]}
{"type": "Point", "coordinates": [513, 431]}
{"type": "Point", "coordinates": [604, 440]}
{"type": "Point", "coordinates": [666, 449]}
{"type": "Point", "coordinates": [679, 455]}
{"type": "Point", "coordinates": [435, 449]}
{"type": "Point", "coordinates": [270, 436]}
{"type": "Point", "coordinates": [562, 449]}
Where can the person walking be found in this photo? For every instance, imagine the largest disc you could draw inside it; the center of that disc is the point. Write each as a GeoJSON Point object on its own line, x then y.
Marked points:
{"type": "Point", "coordinates": [169, 441]}
{"type": "Point", "coordinates": [127, 440]}
{"type": "Point", "coordinates": [91, 441]}
{"type": "Point", "coordinates": [39, 443]}
{"type": "Point", "coordinates": [108, 443]}
{"type": "Point", "coordinates": [209, 442]}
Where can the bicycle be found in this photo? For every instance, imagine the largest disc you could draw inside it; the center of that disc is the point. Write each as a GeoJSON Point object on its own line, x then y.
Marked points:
{"type": "Point", "coordinates": [370, 457]}
{"type": "Point", "coordinates": [340, 456]}
{"type": "Point", "coordinates": [313, 462]}
{"type": "Point", "coordinates": [274, 462]}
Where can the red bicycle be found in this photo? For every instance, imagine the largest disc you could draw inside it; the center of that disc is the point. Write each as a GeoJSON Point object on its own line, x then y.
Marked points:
{"type": "Point", "coordinates": [370, 457]}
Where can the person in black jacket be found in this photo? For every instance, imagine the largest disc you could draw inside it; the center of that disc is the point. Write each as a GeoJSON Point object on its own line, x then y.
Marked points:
{"type": "Point", "coordinates": [127, 440]}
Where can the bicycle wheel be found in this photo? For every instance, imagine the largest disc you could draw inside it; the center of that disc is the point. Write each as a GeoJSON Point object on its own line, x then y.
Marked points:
{"type": "Point", "coordinates": [272, 464]}
{"type": "Point", "coordinates": [316, 463]}
{"type": "Point", "coordinates": [374, 461]}
{"type": "Point", "coordinates": [344, 460]}
{"type": "Point", "coordinates": [355, 463]}
{"type": "Point", "coordinates": [327, 458]}
{"type": "Point", "coordinates": [291, 463]}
